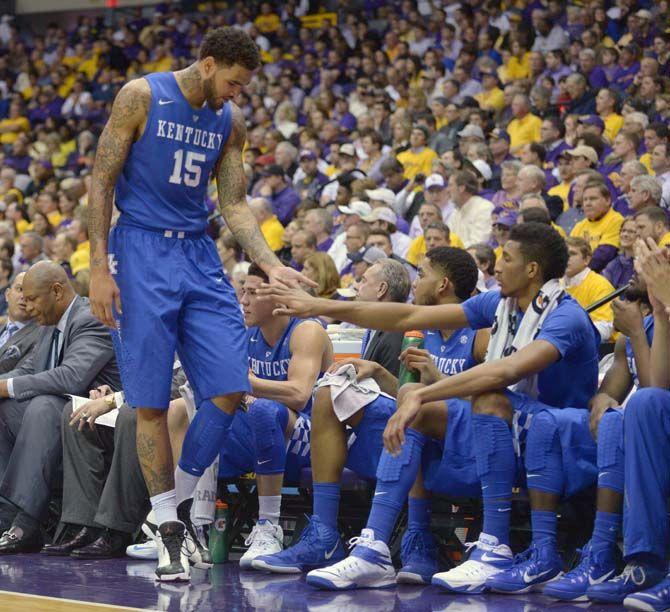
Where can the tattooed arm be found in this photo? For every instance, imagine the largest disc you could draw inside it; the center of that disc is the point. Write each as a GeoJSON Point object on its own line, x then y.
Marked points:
{"type": "Point", "coordinates": [127, 118]}
{"type": "Point", "coordinates": [231, 184]}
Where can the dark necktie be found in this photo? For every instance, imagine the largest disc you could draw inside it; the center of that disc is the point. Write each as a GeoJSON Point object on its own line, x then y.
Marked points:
{"type": "Point", "coordinates": [9, 331]}
{"type": "Point", "coordinates": [54, 352]}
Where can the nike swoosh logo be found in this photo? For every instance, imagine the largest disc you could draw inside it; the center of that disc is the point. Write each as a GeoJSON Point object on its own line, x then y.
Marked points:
{"type": "Point", "coordinates": [488, 559]}
{"type": "Point", "coordinates": [329, 554]}
{"type": "Point", "coordinates": [601, 579]}
{"type": "Point", "coordinates": [266, 461]}
{"type": "Point", "coordinates": [532, 475]}
{"type": "Point", "coordinates": [504, 509]}
{"type": "Point", "coordinates": [164, 102]}
{"type": "Point", "coordinates": [528, 578]}
{"type": "Point", "coordinates": [381, 493]}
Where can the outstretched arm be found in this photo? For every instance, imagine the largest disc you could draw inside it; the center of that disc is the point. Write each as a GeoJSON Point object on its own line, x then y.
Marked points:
{"type": "Point", "coordinates": [129, 113]}
{"type": "Point", "coordinates": [386, 316]}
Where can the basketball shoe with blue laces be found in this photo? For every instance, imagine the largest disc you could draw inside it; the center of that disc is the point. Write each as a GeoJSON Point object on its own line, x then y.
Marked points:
{"type": "Point", "coordinates": [594, 567]}
{"type": "Point", "coordinates": [318, 545]}
{"type": "Point", "coordinates": [531, 569]}
{"type": "Point", "coordinates": [655, 599]}
{"type": "Point", "coordinates": [635, 577]}
{"type": "Point", "coordinates": [369, 566]}
{"type": "Point", "coordinates": [418, 554]}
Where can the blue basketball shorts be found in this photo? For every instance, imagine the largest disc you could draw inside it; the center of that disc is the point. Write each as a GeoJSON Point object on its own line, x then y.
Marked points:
{"type": "Point", "coordinates": [175, 298]}
{"type": "Point", "coordinates": [238, 456]}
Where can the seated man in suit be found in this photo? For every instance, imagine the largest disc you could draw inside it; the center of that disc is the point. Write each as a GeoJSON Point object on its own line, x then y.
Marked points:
{"type": "Point", "coordinates": [72, 355]}
{"type": "Point", "coordinates": [18, 337]}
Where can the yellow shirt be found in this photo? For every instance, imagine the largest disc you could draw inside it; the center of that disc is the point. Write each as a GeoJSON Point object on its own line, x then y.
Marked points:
{"type": "Point", "coordinates": [9, 137]}
{"type": "Point", "coordinates": [417, 249]}
{"type": "Point", "coordinates": [55, 219]}
{"type": "Point", "coordinates": [613, 124]}
{"type": "Point", "coordinates": [417, 163]}
{"type": "Point", "coordinates": [561, 190]}
{"type": "Point", "coordinates": [523, 131]}
{"type": "Point", "coordinates": [559, 229]}
{"type": "Point", "coordinates": [491, 100]}
{"type": "Point", "coordinates": [665, 240]}
{"type": "Point", "coordinates": [603, 231]}
{"type": "Point", "coordinates": [267, 23]}
{"type": "Point", "coordinates": [590, 290]}
{"type": "Point", "coordinates": [515, 69]}
{"type": "Point", "coordinates": [79, 260]}
{"type": "Point", "coordinates": [273, 232]}
{"type": "Point", "coordinates": [645, 160]}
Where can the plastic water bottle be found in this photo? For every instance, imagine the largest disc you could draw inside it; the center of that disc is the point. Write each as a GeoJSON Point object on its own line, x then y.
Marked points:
{"type": "Point", "coordinates": [412, 338]}
{"type": "Point", "coordinates": [219, 544]}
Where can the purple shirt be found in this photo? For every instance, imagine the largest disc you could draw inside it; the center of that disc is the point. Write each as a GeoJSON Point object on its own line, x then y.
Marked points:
{"type": "Point", "coordinates": [619, 271]}
{"type": "Point", "coordinates": [597, 78]}
{"type": "Point", "coordinates": [623, 77]}
{"type": "Point", "coordinates": [325, 245]}
{"type": "Point", "coordinates": [284, 203]}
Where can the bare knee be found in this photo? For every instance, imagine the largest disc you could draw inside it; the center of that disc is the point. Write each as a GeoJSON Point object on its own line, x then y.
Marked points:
{"type": "Point", "coordinates": [151, 416]}
{"type": "Point", "coordinates": [177, 416]}
{"type": "Point", "coordinates": [227, 403]}
{"type": "Point", "coordinates": [494, 403]}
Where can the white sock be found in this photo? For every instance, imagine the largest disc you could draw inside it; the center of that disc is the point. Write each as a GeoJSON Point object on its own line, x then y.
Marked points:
{"type": "Point", "coordinates": [185, 484]}
{"type": "Point", "coordinates": [269, 508]}
{"type": "Point", "coordinates": [165, 507]}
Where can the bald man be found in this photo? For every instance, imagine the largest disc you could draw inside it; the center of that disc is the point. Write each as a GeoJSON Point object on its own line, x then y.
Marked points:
{"type": "Point", "coordinates": [73, 354]}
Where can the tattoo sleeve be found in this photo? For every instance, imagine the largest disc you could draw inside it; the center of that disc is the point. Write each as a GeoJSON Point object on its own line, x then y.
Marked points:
{"type": "Point", "coordinates": [231, 184]}
{"type": "Point", "coordinates": [129, 110]}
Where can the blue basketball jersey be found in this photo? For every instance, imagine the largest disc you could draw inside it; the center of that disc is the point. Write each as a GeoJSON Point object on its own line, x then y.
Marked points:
{"type": "Point", "coordinates": [630, 358]}
{"type": "Point", "coordinates": [454, 354]}
{"type": "Point", "coordinates": [163, 183]}
{"type": "Point", "coordinates": [271, 362]}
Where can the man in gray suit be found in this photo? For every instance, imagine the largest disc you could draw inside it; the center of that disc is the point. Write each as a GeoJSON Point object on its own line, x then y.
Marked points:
{"type": "Point", "coordinates": [73, 354]}
{"type": "Point", "coordinates": [18, 336]}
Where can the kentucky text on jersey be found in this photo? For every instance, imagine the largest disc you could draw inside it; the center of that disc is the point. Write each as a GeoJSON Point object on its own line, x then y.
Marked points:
{"type": "Point", "coordinates": [269, 369]}
{"type": "Point", "coordinates": [448, 366]}
{"type": "Point", "coordinates": [189, 135]}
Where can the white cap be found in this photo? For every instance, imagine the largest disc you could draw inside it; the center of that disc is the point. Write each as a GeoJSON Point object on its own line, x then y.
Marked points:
{"type": "Point", "coordinates": [383, 213]}
{"type": "Point", "coordinates": [356, 207]}
{"type": "Point", "coordinates": [435, 180]}
{"type": "Point", "coordinates": [347, 149]}
{"type": "Point", "coordinates": [484, 169]}
{"type": "Point", "coordinates": [383, 194]}
{"type": "Point", "coordinates": [472, 131]}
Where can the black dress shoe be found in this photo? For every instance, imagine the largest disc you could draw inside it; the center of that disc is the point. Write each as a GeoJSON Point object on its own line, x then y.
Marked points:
{"type": "Point", "coordinates": [109, 545]}
{"type": "Point", "coordinates": [76, 538]}
{"type": "Point", "coordinates": [15, 541]}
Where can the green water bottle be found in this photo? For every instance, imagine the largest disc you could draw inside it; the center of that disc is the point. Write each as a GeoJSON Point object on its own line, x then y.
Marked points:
{"type": "Point", "coordinates": [412, 338]}
{"type": "Point", "coordinates": [219, 544]}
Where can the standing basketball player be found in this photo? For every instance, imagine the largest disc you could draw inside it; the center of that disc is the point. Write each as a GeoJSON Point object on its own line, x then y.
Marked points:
{"type": "Point", "coordinates": [161, 277]}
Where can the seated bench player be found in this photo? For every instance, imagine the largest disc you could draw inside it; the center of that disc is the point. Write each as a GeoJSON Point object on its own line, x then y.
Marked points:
{"type": "Point", "coordinates": [286, 357]}
{"type": "Point", "coordinates": [543, 352]}
{"type": "Point", "coordinates": [446, 276]}
{"type": "Point", "coordinates": [630, 369]}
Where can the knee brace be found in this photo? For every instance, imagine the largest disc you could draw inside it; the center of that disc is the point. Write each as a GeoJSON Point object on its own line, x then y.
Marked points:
{"type": "Point", "coordinates": [268, 424]}
{"type": "Point", "coordinates": [544, 462]}
{"type": "Point", "coordinates": [205, 438]}
{"type": "Point", "coordinates": [491, 436]}
{"type": "Point", "coordinates": [610, 451]}
{"type": "Point", "coordinates": [390, 468]}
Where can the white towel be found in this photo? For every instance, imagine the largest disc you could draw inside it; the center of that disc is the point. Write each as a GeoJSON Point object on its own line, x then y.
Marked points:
{"type": "Point", "coordinates": [508, 335]}
{"type": "Point", "coordinates": [348, 394]}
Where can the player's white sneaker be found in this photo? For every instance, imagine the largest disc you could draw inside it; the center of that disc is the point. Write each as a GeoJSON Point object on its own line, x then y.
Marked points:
{"type": "Point", "coordinates": [368, 566]}
{"type": "Point", "coordinates": [487, 558]}
{"type": "Point", "coordinates": [172, 553]}
{"type": "Point", "coordinates": [265, 539]}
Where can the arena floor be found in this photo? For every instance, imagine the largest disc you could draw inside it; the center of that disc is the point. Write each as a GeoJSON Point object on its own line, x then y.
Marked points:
{"type": "Point", "coordinates": [38, 583]}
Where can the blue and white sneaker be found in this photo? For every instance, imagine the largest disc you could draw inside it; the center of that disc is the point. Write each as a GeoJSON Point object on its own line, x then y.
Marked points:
{"type": "Point", "coordinates": [594, 567]}
{"type": "Point", "coordinates": [318, 545]}
{"type": "Point", "coordinates": [418, 554]}
{"type": "Point", "coordinates": [369, 566]}
{"type": "Point", "coordinates": [487, 557]}
{"type": "Point", "coordinates": [634, 578]}
{"type": "Point", "coordinates": [655, 599]}
{"type": "Point", "coordinates": [531, 570]}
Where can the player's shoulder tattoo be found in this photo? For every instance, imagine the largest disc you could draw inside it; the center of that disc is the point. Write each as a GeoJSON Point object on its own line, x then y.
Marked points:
{"type": "Point", "coordinates": [131, 103]}
{"type": "Point", "coordinates": [238, 132]}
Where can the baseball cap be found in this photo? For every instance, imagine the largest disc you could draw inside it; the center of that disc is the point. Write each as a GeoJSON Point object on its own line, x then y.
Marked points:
{"type": "Point", "coordinates": [500, 134]}
{"type": "Point", "coordinates": [507, 217]}
{"type": "Point", "coordinates": [383, 213]}
{"type": "Point", "coordinates": [307, 154]}
{"type": "Point", "coordinates": [592, 120]}
{"type": "Point", "coordinates": [274, 170]}
{"type": "Point", "coordinates": [370, 255]}
{"type": "Point", "coordinates": [347, 149]}
{"type": "Point", "coordinates": [472, 131]}
{"type": "Point", "coordinates": [382, 194]}
{"type": "Point", "coordinates": [584, 151]}
{"type": "Point", "coordinates": [356, 207]}
{"type": "Point", "coordinates": [434, 180]}
{"type": "Point", "coordinates": [644, 14]}
{"type": "Point", "coordinates": [483, 168]}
